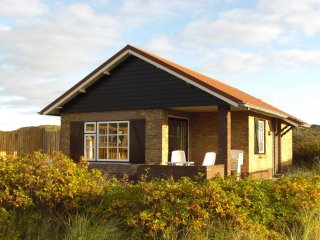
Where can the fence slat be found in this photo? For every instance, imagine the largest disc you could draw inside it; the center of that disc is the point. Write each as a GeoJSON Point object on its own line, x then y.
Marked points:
{"type": "Point", "coordinates": [28, 140]}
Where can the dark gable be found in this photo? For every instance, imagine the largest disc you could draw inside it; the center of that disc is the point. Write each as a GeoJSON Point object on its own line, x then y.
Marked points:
{"type": "Point", "coordinates": [136, 84]}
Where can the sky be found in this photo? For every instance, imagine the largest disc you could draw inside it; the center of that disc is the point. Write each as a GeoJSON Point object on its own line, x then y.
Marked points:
{"type": "Point", "coordinates": [269, 49]}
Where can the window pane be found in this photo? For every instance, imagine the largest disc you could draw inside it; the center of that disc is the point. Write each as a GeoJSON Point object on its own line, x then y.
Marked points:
{"type": "Point", "coordinates": [261, 136]}
{"type": "Point", "coordinates": [102, 141]}
{"type": "Point", "coordinates": [112, 153]}
{"type": "Point", "coordinates": [90, 141]}
{"type": "Point", "coordinates": [103, 128]}
{"type": "Point", "coordinates": [90, 127]}
{"type": "Point", "coordinates": [123, 141]}
{"type": "Point", "coordinates": [113, 128]}
{"type": "Point", "coordinates": [102, 153]}
{"type": "Point", "coordinates": [123, 128]}
{"type": "Point", "coordinates": [123, 153]}
{"type": "Point", "coordinates": [89, 154]}
{"type": "Point", "coordinates": [113, 141]}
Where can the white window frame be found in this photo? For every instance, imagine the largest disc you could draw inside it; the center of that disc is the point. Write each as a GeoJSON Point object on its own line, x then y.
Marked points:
{"type": "Point", "coordinates": [94, 148]}
{"type": "Point", "coordinates": [87, 123]}
{"type": "Point", "coordinates": [96, 134]}
{"type": "Point", "coordinates": [260, 136]}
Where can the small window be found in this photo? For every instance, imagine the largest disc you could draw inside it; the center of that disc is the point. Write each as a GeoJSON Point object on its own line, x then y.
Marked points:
{"type": "Point", "coordinates": [259, 136]}
{"type": "Point", "coordinates": [90, 127]}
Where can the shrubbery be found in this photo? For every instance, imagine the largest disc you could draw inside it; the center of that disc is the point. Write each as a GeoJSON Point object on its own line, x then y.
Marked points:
{"type": "Point", "coordinates": [54, 186]}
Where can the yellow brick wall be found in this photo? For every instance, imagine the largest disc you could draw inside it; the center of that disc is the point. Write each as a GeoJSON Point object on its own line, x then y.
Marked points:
{"type": "Point", "coordinates": [261, 162]}
{"type": "Point", "coordinates": [156, 122]}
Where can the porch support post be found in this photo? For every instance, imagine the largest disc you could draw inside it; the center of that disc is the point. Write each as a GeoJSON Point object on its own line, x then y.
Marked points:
{"type": "Point", "coordinates": [224, 138]}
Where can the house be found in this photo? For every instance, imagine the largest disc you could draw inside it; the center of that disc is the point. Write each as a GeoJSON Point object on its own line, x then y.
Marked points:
{"type": "Point", "coordinates": [136, 108]}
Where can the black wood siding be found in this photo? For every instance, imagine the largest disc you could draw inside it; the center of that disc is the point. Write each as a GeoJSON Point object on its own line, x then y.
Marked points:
{"type": "Point", "coordinates": [76, 140]}
{"type": "Point", "coordinates": [136, 84]}
{"type": "Point", "coordinates": [137, 141]}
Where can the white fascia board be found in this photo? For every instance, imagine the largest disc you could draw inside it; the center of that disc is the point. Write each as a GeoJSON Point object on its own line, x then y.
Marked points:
{"type": "Point", "coordinates": [235, 104]}
{"type": "Point", "coordinates": [263, 110]}
{"type": "Point", "coordinates": [96, 76]}
{"type": "Point", "coordinates": [291, 123]}
{"type": "Point", "coordinates": [106, 69]}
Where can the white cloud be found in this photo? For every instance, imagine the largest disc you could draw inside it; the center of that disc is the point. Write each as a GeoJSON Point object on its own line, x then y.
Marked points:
{"type": "Point", "coordinates": [22, 9]}
{"type": "Point", "coordinates": [298, 15]}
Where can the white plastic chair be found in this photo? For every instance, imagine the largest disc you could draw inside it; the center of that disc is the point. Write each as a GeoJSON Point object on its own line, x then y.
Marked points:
{"type": "Point", "coordinates": [178, 157]}
{"type": "Point", "coordinates": [236, 160]}
{"type": "Point", "coordinates": [209, 159]}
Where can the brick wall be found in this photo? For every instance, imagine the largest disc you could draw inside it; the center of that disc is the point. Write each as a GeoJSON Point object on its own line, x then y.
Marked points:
{"type": "Point", "coordinates": [156, 122]}
{"type": "Point", "coordinates": [135, 171]}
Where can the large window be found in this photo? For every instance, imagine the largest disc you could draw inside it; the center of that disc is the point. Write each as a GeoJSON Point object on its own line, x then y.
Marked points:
{"type": "Point", "coordinates": [107, 141]}
{"type": "Point", "coordinates": [259, 136]}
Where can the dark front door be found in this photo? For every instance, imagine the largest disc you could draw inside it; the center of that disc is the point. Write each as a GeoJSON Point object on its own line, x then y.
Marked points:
{"type": "Point", "coordinates": [178, 135]}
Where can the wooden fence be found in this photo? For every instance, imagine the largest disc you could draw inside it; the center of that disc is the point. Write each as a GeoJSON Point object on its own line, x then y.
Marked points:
{"type": "Point", "coordinates": [28, 140]}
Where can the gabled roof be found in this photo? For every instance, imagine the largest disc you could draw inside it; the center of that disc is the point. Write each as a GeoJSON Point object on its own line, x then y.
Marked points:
{"type": "Point", "coordinates": [225, 92]}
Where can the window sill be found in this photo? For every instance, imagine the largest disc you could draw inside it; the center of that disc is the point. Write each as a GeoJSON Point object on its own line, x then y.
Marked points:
{"type": "Point", "coordinates": [107, 161]}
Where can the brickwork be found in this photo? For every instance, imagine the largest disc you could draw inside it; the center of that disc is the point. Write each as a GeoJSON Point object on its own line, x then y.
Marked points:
{"type": "Point", "coordinates": [240, 134]}
{"type": "Point", "coordinates": [203, 135]}
{"type": "Point", "coordinates": [155, 120]}
{"type": "Point", "coordinates": [224, 138]}
{"type": "Point", "coordinates": [204, 129]}
{"type": "Point", "coordinates": [135, 171]}
{"type": "Point", "coordinates": [263, 174]}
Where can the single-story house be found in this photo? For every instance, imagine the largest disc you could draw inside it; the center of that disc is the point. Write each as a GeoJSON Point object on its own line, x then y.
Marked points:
{"type": "Point", "coordinates": [136, 108]}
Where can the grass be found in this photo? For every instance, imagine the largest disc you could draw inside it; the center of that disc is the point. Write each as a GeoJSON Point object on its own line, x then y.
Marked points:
{"type": "Point", "coordinates": [308, 229]}
{"type": "Point", "coordinates": [32, 225]}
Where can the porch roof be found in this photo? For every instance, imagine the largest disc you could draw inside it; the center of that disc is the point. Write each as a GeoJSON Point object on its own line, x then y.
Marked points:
{"type": "Point", "coordinates": [227, 93]}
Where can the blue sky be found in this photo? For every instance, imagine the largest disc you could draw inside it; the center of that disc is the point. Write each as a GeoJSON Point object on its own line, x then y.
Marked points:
{"type": "Point", "coordinates": [269, 49]}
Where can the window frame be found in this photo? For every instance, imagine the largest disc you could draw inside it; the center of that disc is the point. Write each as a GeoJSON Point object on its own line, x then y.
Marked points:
{"type": "Point", "coordinates": [97, 137]}
{"type": "Point", "coordinates": [257, 139]}
{"type": "Point", "coordinates": [95, 127]}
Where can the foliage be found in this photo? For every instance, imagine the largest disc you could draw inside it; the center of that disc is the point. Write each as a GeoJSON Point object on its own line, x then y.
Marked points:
{"type": "Point", "coordinates": [306, 145]}
{"type": "Point", "coordinates": [52, 196]}
{"type": "Point", "coordinates": [47, 182]}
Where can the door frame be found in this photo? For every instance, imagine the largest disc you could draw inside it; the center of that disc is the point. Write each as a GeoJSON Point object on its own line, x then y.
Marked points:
{"type": "Point", "coordinates": [188, 135]}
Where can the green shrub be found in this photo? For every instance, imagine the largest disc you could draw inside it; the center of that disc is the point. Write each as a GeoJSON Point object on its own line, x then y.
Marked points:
{"type": "Point", "coordinates": [44, 194]}
{"type": "Point", "coordinates": [48, 182]}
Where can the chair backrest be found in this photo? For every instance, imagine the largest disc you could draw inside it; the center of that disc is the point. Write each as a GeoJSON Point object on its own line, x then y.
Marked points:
{"type": "Point", "coordinates": [237, 154]}
{"type": "Point", "coordinates": [178, 156]}
{"type": "Point", "coordinates": [236, 160]}
{"type": "Point", "coordinates": [209, 159]}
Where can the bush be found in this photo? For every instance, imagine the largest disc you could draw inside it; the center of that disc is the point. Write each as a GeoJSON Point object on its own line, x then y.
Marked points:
{"type": "Point", "coordinates": [306, 152]}
{"type": "Point", "coordinates": [48, 182]}
{"type": "Point", "coordinates": [61, 197]}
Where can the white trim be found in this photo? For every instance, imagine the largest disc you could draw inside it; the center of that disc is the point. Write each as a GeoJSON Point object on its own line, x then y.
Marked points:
{"type": "Point", "coordinates": [95, 127]}
{"type": "Point", "coordinates": [109, 66]}
{"type": "Point", "coordinates": [98, 159]}
{"type": "Point", "coordinates": [252, 108]}
{"type": "Point", "coordinates": [87, 82]}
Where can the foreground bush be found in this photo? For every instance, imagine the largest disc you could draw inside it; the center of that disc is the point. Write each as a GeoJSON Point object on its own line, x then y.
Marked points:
{"type": "Point", "coordinates": [81, 203]}
{"type": "Point", "coordinates": [47, 182]}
